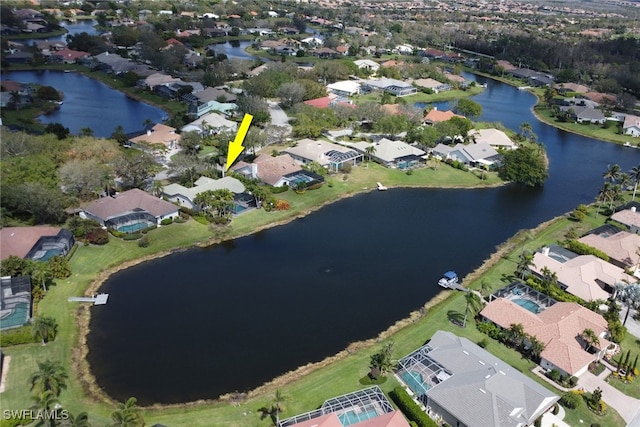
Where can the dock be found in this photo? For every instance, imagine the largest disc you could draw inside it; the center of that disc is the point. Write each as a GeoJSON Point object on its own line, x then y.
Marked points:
{"type": "Point", "coordinates": [99, 299]}
{"type": "Point", "coordinates": [456, 287]}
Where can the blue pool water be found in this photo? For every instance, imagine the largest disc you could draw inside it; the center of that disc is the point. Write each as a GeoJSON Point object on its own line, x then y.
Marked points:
{"type": "Point", "coordinates": [528, 304]}
{"type": "Point", "coordinates": [415, 382]}
{"type": "Point", "coordinates": [351, 417]}
{"type": "Point", "coordinates": [50, 254]}
{"type": "Point", "coordinates": [17, 317]}
{"type": "Point", "coordinates": [132, 228]}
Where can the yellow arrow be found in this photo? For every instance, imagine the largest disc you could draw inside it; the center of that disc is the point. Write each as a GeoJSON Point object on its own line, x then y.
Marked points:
{"type": "Point", "coordinates": [235, 147]}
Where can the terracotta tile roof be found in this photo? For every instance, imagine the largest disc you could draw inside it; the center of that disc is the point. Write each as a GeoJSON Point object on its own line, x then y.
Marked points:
{"type": "Point", "coordinates": [329, 420]}
{"type": "Point", "coordinates": [19, 241]}
{"type": "Point", "coordinates": [558, 327]}
{"type": "Point", "coordinates": [271, 169]}
{"type": "Point", "coordinates": [621, 246]}
{"type": "Point", "coordinates": [109, 207]}
{"type": "Point", "coordinates": [627, 217]}
{"type": "Point", "coordinates": [435, 116]}
{"type": "Point", "coordinates": [159, 134]}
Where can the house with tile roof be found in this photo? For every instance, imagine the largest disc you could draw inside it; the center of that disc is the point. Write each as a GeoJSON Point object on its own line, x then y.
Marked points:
{"type": "Point", "coordinates": [275, 171]}
{"type": "Point", "coordinates": [130, 210]}
{"type": "Point", "coordinates": [494, 137]}
{"type": "Point", "coordinates": [68, 56]}
{"type": "Point", "coordinates": [185, 196]}
{"type": "Point", "coordinates": [362, 408]}
{"type": "Point", "coordinates": [630, 218]}
{"type": "Point", "coordinates": [329, 155]}
{"type": "Point", "coordinates": [631, 125]}
{"type": "Point", "coordinates": [620, 246]}
{"type": "Point", "coordinates": [559, 328]}
{"type": "Point", "coordinates": [432, 84]}
{"type": "Point", "coordinates": [585, 114]}
{"type": "Point", "coordinates": [479, 154]}
{"type": "Point", "coordinates": [462, 384]}
{"type": "Point", "coordinates": [437, 116]}
{"type": "Point", "coordinates": [159, 135]}
{"type": "Point", "coordinates": [393, 86]}
{"type": "Point", "coordinates": [392, 154]}
{"type": "Point", "coordinates": [210, 124]}
{"type": "Point", "coordinates": [38, 243]}
{"type": "Point", "coordinates": [585, 276]}
{"type": "Point", "coordinates": [367, 64]}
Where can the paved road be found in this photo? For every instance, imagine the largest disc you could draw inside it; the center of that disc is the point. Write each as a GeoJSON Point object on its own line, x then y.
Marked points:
{"type": "Point", "coordinates": [626, 406]}
{"type": "Point", "coordinates": [278, 116]}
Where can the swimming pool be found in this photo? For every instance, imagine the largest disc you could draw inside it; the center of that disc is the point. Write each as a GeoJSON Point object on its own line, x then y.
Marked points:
{"type": "Point", "coordinates": [353, 417]}
{"type": "Point", "coordinates": [415, 382]}
{"type": "Point", "coordinates": [528, 305]}
{"type": "Point", "coordinates": [132, 228]}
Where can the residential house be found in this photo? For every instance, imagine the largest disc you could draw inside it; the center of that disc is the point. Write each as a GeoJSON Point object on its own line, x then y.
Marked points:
{"type": "Point", "coordinates": [462, 384]}
{"type": "Point", "coordinates": [392, 86]}
{"type": "Point", "coordinates": [479, 154]}
{"type": "Point", "coordinates": [177, 89]}
{"type": "Point", "coordinates": [15, 302]}
{"type": "Point", "coordinates": [325, 53]}
{"type": "Point", "coordinates": [584, 276]}
{"type": "Point", "coordinates": [631, 125]}
{"type": "Point", "coordinates": [130, 211]}
{"type": "Point", "coordinates": [432, 84]}
{"type": "Point", "coordinates": [159, 135]}
{"type": "Point", "coordinates": [566, 88]}
{"type": "Point", "coordinates": [436, 116]}
{"type": "Point", "coordinates": [494, 137]}
{"type": "Point", "coordinates": [37, 243]}
{"type": "Point", "coordinates": [276, 171]}
{"type": "Point", "coordinates": [344, 88]}
{"type": "Point", "coordinates": [620, 246]}
{"type": "Point", "coordinates": [559, 327]}
{"type": "Point", "coordinates": [328, 101]}
{"type": "Point", "coordinates": [210, 124]}
{"type": "Point", "coordinates": [364, 408]}
{"type": "Point", "coordinates": [19, 57]}
{"type": "Point", "coordinates": [157, 79]}
{"type": "Point", "coordinates": [312, 42]}
{"type": "Point", "coordinates": [68, 56]}
{"type": "Point", "coordinates": [630, 218]}
{"type": "Point", "coordinates": [601, 98]}
{"type": "Point", "coordinates": [586, 114]}
{"type": "Point", "coordinates": [367, 64]}
{"type": "Point", "coordinates": [186, 196]}
{"type": "Point", "coordinates": [391, 154]}
{"type": "Point", "coordinates": [404, 49]}
{"type": "Point", "coordinates": [329, 155]}
{"type": "Point", "coordinates": [112, 63]}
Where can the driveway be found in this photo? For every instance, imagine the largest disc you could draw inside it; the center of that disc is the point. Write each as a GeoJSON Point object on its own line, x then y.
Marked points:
{"type": "Point", "coordinates": [626, 406]}
{"type": "Point", "coordinates": [278, 116]}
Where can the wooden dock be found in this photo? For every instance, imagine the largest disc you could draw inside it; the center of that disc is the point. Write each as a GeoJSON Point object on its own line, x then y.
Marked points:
{"type": "Point", "coordinates": [99, 299]}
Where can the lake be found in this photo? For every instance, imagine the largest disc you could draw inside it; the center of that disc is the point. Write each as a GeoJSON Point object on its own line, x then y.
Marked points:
{"type": "Point", "coordinates": [204, 322]}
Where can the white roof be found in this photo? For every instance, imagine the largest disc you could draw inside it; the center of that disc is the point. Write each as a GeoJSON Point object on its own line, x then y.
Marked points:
{"type": "Point", "coordinates": [348, 86]}
{"type": "Point", "coordinates": [493, 137]}
{"type": "Point", "coordinates": [366, 63]}
{"type": "Point", "coordinates": [213, 120]}
{"type": "Point", "coordinates": [204, 184]}
{"type": "Point", "coordinates": [388, 150]}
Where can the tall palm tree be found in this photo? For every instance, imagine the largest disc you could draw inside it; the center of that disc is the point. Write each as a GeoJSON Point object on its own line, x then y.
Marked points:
{"type": "Point", "coordinates": [629, 294]}
{"type": "Point", "coordinates": [50, 376]}
{"type": "Point", "coordinates": [516, 334]}
{"type": "Point", "coordinates": [278, 403]}
{"type": "Point", "coordinates": [45, 328]}
{"type": "Point", "coordinates": [473, 305]}
{"type": "Point", "coordinates": [127, 414]}
{"type": "Point", "coordinates": [485, 288]}
{"type": "Point", "coordinates": [635, 177]}
{"type": "Point", "coordinates": [80, 420]}
{"type": "Point", "coordinates": [41, 273]}
{"type": "Point", "coordinates": [370, 150]}
{"type": "Point", "coordinates": [156, 188]}
{"type": "Point", "coordinates": [536, 347]}
{"type": "Point", "coordinates": [45, 402]}
{"type": "Point", "coordinates": [612, 174]}
{"type": "Point", "coordinates": [526, 261]}
{"type": "Point", "coordinates": [603, 195]}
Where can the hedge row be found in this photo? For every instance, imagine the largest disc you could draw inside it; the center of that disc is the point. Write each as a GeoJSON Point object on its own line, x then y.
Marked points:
{"type": "Point", "coordinates": [21, 335]}
{"type": "Point", "coordinates": [584, 249]}
{"type": "Point", "coordinates": [410, 409]}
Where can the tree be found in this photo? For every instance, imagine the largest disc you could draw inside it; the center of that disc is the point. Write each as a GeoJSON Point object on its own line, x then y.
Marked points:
{"type": "Point", "coordinates": [468, 108]}
{"type": "Point", "coordinates": [80, 420]}
{"type": "Point", "coordinates": [524, 166]}
{"type": "Point", "coordinates": [187, 167]}
{"type": "Point", "coordinates": [485, 288]}
{"type": "Point", "coordinates": [629, 294]}
{"type": "Point", "coordinates": [135, 167]}
{"type": "Point", "coordinates": [256, 106]}
{"type": "Point", "coordinates": [525, 130]}
{"type": "Point", "coordinates": [41, 274]}
{"type": "Point", "coordinates": [526, 261]}
{"type": "Point", "coordinates": [516, 334]}
{"type": "Point", "coordinates": [45, 328]}
{"type": "Point", "coordinates": [50, 377]}
{"type": "Point", "coordinates": [290, 93]}
{"type": "Point", "coordinates": [58, 130]}
{"type": "Point", "coordinates": [370, 151]}
{"type": "Point", "coordinates": [473, 303]}
{"type": "Point", "coordinates": [14, 266]}
{"type": "Point", "coordinates": [381, 362]}
{"type": "Point", "coordinates": [45, 402]}
{"type": "Point", "coordinates": [275, 408]}
{"type": "Point", "coordinates": [119, 135]}
{"type": "Point", "coordinates": [635, 177]}
{"type": "Point", "coordinates": [190, 142]}
{"type": "Point", "coordinates": [215, 202]}
{"type": "Point", "coordinates": [83, 178]}
{"type": "Point", "coordinates": [536, 347]}
{"type": "Point", "coordinates": [127, 414]}
{"type": "Point", "coordinates": [156, 188]}
{"type": "Point", "coordinates": [612, 174]}
{"type": "Point", "coordinates": [590, 338]}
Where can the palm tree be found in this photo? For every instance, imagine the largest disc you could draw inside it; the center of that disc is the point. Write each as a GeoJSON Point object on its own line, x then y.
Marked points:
{"type": "Point", "coordinates": [44, 403]}
{"type": "Point", "coordinates": [80, 420]}
{"type": "Point", "coordinates": [612, 174]}
{"type": "Point", "coordinates": [629, 294]}
{"type": "Point", "coordinates": [156, 188]}
{"type": "Point", "coordinates": [590, 338]}
{"type": "Point", "coordinates": [485, 288]}
{"type": "Point", "coordinates": [41, 273]}
{"type": "Point", "coordinates": [370, 150]}
{"type": "Point", "coordinates": [382, 361]}
{"type": "Point", "coordinates": [635, 177]}
{"type": "Point", "coordinates": [525, 129]}
{"type": "Point", "coordinates": [51, 376]}
{"type": "Point", "coordinates": [526, 261]}
{"type": "Point", "coordinates": [473, 305]}
{"type": "Point", "coordinates": [603, 195]}
{"type": "Point", "coordinates": [127, 414]}
{"type": "Point", "coordinates": [45, 328]}
{"type": "Point", "coordinates": [536, 347]}
{"type": "Point", "coordinates": [278, 403]}
{"type": "Point", "coordinates": [516, 334]}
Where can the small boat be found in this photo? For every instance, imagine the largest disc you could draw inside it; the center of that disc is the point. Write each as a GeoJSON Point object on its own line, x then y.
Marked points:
{"type": "Point", "coordinates": [449, 280]}
{"type": "Point", "coordinates": [381, 187]}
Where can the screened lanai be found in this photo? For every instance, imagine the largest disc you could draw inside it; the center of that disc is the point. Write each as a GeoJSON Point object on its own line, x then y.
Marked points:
{"type": "Point", "coordinates": [131, 222]}
{"type": "Point", "coordinates": [420, 373]}
{"type": "Point", "coordinates": [350, 408]}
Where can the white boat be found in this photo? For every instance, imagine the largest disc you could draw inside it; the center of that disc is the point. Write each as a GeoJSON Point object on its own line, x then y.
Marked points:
{"type": "Point", "coordinates": [449, 280]}
{"type": "Point", "coordinates": [381, 187]}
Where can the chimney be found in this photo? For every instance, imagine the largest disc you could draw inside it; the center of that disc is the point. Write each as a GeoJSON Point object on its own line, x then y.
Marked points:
{"type": "Point", "coordinates": [545, 251]}
{"type": "Point", "coordinates": [254, 170]}
{"type": "Point", "coordinates": [633, 208]}
{"type": "Point", "coordinates": [148, 132]}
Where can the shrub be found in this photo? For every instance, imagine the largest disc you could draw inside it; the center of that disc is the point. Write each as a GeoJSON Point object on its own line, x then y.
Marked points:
{"type": "Point", "coordinates": [187, 212]}
{"type": "Point", "coordinates": [315, 186]}
{"type": "Point", "coordinates": [555, 409]}
{"type": "Point", "coordinates": [367, 380]}
{"type": "Point", "coordinates": [278, 190]}
{"type": "Point", "coordinates": [133, 236]}
{"type": "Point", "coordinates": [166, 221]}
{"type": "Point", "coordinates": [410, 409]}
{"type": "Point", "coordinates": [116, 233]}
{"type": "Point", "coordinates": [144, 242]}
{"type": "Point", "coordinates": [16, 336]}
{"type": "Point", "coordinates": [282, 205]}
{"type": "Point", "coordinates": [346, 167]}
{"type": "Point", "coordinates": [571, 400]}
{"type": "Point", "coordinates": [201, 219]}
{"type": "Point", "coordinates": [180, 220]}
{"type": "Point", "coordinates": [220, 220]}
{"type": "Point", "coordinates": [573, 381]}
{"type": "Point", "coordinates": [98, 236]}
{"type": "Point", "coordinates": [409, 172]}
{"type": "Point", "coordinates": [584, 249]}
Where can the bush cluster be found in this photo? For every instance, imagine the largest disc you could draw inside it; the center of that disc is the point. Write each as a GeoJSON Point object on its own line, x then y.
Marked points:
{"type": "Point", "coordinates": [16, 336]}
{"type": "Point", "coordinates": [282, 205]}
{"type": "Point", "coordinates": [571, 400]}
{"type": "Point", "coordinates": [166, 221]}
{"type": "Point", "coordinates": [132, 236]}
{"type": "Point", "coordinates": [278, 190]}
{"type": "Point", "coordinates": [410, 409]}
{"type": "Point", "coordinates": [584, 249]}
{"type": "Point", "coordinates": [98, 236]}
{"type": "Point", "coordinates": [144, 242]}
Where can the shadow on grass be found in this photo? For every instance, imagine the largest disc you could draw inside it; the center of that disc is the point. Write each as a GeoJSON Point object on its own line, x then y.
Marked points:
{"type": "Point", "coordinates": [455, 317]}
